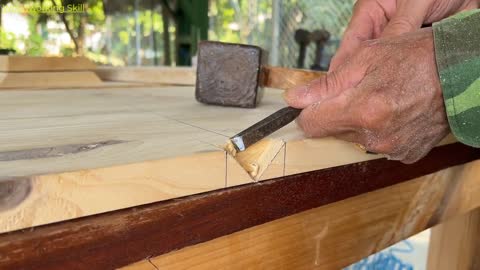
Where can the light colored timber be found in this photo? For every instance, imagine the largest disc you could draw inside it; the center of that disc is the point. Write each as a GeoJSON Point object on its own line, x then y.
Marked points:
{"type": "Point", "coordinates": [91, 151]}
{"type": "Point", "coordinates": [258, 157]}
{"type": "Point", "coordinates": [16, 63]}
{"type": "Point", "coordinates": [119, 126]}
{"type": "Point", "coordinates": [286, 78]}
{"type": "Point", "coordinates": [49, 79]}
{"type": "Point", "coordinates": [455, 245]}
{"type": "Point", "coordinates": [163, 75]}
{"type": "Point", "coordinates": [26, 72]}
{"type": "Point", "coordinates": [339, 234]}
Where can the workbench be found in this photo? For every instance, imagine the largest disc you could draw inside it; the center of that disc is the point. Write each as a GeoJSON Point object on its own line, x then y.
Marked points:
{"type": "Point", "coordinates": [135, 176]}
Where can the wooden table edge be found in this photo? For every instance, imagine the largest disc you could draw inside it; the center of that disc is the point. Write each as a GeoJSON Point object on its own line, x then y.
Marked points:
{"type": "Point", "coordinates": [129, 235]}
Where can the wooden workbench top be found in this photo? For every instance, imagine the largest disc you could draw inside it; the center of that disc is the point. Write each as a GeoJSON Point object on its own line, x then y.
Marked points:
{"type": "Point", "coordinates": [74, 153]}
{"type": "Point", "coordinates": [79, 152]}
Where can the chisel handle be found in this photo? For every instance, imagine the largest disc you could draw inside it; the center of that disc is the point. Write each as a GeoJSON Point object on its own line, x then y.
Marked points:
{"type": "Point", "coordinates": [286, 78]}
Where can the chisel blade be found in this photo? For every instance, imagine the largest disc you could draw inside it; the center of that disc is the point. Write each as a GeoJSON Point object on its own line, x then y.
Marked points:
{"type": "Point", "coordinates": [265, 127]}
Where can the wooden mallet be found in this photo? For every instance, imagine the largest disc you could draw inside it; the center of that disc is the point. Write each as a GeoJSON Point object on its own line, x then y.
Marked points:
{"type": "Point", "coordinates": [233, 74]}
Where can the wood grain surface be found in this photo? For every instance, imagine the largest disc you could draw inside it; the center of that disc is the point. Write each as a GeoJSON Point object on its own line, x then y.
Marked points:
{"type": "Point", "coordinates": [86, 152]}
{"type": "Point", "coordinates": [339, 234]}
{"type": "Point", "coordinates": [98, 242]}
{"type": "Point", "coordinates": [16, 63]}
{"type": "Point", "coordinates": [455, 245]}
{"type": "Point", "coordinates": [48, 79]}
{"type": "Point", "coordinates": [286, 78]}
{"type": "Point", "coordinates": [160, 75]}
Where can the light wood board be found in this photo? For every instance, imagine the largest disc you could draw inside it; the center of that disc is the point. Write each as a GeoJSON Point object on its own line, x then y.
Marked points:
{"type": "Point", "coordinates": [16, 63]}
{"type": "Point", "coordinates": [91, 151]}
{"type": "Point", "coordinates": [339, 234]}
{"type": "Point", "coordinates": [134, 125]}
{"type": "Point", "coordinates": [157, 74]}
{"type": "Point", "coordinates": [455, 245]}
{"type": "Point", "coordinates": [49, 79]}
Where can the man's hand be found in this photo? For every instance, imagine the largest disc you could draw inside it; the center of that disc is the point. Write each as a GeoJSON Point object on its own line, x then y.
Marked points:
{"type": "Point", "coordinates": [387, 97]}
{"type": "Point", "coordinates": [373, 19]}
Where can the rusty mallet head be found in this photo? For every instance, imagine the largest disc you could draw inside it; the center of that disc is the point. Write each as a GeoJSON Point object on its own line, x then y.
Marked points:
{"type": "Point", "coordinates": [229, 74]}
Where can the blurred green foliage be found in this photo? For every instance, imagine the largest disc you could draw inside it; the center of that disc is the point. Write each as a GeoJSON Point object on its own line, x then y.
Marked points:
{"type": "Point", "coordinates": [34, 42]}
{"type": "Point", "coordinates": [79, 26]}
{"type": "Point", "coordinates": [114, 36]}
{"type": "Point", "coordinates": [122, 29]}
{"type": "Point", "coordinates": [7, 40]}
{"type": "Point", "coordinates": [240, 21]}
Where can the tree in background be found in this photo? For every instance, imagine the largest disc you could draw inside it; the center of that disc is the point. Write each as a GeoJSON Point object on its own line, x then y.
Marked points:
{"type": "Point", "coordinates": [2, 3]}
{"type": "Point", "coordinates": [113, 31]}
{"type": "Point", "coordinates": [76, 23]}
{"type": "Point", "coordinates": [7, 40]}
{"type": "Point", "coordinates": [150, 32]}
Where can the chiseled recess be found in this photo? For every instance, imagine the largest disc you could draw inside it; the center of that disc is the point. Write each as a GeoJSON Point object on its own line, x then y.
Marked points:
{"type": "Point", "coordinates": [257, 158]}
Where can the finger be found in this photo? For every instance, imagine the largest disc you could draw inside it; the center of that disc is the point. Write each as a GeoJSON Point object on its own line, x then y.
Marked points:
{"type": "Point", "coordinates": [351, 41]}
{"type": "Point", "coordinates": [314, 91]}
{"type": "Point", "coordinates": [368, 20]}
{"type": "Point", "coordinates": [326, 118]}
{"type": "Point", "coordinates": [473, 4]}
{"type": "Point", "coordinates": [325, 87]}
{"type": "Point", "coordinates": [409, 16]}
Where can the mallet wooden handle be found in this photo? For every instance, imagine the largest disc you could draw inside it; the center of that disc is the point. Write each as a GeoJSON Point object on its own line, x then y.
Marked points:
{"type": "Point", "coordinates": [286, 78]}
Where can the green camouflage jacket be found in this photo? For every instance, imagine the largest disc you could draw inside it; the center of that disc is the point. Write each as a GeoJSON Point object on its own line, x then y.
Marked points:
{"type": "Point", "coordinates": [457, 49]}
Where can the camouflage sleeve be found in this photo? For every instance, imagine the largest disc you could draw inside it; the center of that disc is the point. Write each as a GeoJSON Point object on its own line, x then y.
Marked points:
{"type": "Point", "coordinates": [457, 50]}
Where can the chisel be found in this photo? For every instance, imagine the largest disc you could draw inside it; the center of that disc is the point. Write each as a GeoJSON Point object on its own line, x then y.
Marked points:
{"type": "Point", "coordinates": [265, 127]}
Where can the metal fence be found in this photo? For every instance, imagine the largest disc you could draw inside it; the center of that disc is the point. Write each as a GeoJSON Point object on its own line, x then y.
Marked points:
{"type": "Point", "coordinates": [271, 24]}
{"type": "Point", "coordinates": [330, 15]}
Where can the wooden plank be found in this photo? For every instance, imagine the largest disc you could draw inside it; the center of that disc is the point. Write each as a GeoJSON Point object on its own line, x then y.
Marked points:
{"type": "Point", "coordinates": [49, 79]}
{"type": "Point", "coordinates": [147, 123]}
{"type": "Point", "coordinates": [162, 75]}
{"type": "Point", "coordinates": [65, 196]}
{"type": "Point", "coordinates": [84, 86]}
{"type": "Point", "coordinates": [337, 234]}
{"type": "Point", "coordinates": [15, 63]}
{"type": "Point", "coordinates": [455, 245]}
{"type": "Point", "coordinates": [43, 134]}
